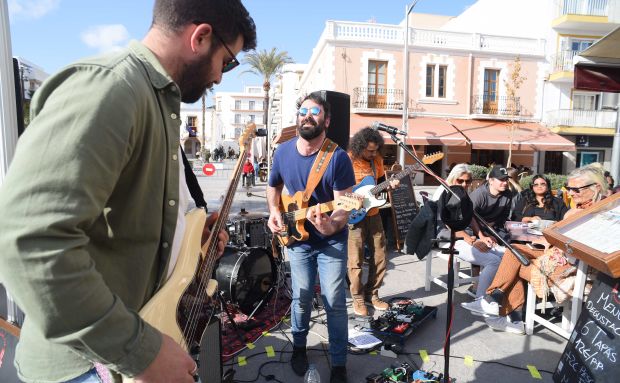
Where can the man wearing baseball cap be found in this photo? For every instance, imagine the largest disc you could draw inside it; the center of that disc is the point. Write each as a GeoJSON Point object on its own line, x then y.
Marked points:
{"type": "Point", "coordinates": [492, 201]}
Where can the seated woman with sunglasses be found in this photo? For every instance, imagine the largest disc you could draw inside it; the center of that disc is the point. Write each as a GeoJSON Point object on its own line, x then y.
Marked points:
{"type": "Point", "coordinates": [459, 175]}
{"type": "Point", "coordinates": [481, 251]}
{"type": "Point", "coordinates": [549, 271]}
{"type": "Point", "coordinates": [538, 203]}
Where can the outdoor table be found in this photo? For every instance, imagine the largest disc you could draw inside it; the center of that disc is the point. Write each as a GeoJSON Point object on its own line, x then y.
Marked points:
{"type": "Point", "coordinates": [518, 232]}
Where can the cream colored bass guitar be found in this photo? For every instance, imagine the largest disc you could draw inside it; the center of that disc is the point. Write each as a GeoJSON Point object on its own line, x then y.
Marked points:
{"type": "Point", "coordinates": [182, 308]}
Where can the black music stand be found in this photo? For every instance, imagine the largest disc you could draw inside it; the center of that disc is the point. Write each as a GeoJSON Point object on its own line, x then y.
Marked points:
{"type": "Point", "coordinates": [450, 283]}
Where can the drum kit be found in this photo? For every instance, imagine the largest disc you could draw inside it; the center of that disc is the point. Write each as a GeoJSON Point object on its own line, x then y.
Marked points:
{"type": "Point", "coordinates": [247, 272]}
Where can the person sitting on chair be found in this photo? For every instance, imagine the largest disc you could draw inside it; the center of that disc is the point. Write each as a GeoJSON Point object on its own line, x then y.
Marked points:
{"type": "Point", "coordinates": [539, 203]}
{"type": "Point", "coordinates": [550, 271]}
{"type": "Point", "coordinates": [492, 202]}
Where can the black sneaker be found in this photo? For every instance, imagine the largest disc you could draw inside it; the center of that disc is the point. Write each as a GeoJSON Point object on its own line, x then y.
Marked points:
{"type": "Point", "coordinates": [338, 375]}
{"type": "Point", "coordinates": [299, 360]}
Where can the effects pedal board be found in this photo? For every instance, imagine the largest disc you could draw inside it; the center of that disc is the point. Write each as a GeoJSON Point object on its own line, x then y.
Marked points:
{"type": "Point", "coordinates": [404, 373]}
{"type": "Point", "coordinates": [403, 316]}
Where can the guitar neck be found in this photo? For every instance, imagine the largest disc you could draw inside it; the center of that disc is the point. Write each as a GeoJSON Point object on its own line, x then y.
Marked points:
{"type": "Point", "coordinates": [399, 176]}
{"type": "Point", "coordinates": [325, 208]}
{"type": "Point", "coordinates": [210, 247]}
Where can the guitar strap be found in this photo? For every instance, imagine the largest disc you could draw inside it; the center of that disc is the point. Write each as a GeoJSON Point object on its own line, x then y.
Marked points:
{"type": "Point", "coordinates": [319, 166]}
{"type": "Point", "coordinates": [192, 183]}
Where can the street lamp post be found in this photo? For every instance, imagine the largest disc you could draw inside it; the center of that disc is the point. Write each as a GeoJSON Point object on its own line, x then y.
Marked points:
{"type": "Point", "coordinates": [401, 152]}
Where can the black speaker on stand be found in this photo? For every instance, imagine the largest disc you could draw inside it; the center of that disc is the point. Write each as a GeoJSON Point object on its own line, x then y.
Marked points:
{"type": "Point", "coordinates": [340, 123]}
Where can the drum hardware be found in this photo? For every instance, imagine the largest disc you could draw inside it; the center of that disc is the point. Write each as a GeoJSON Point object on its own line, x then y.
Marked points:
{"type": "Point", "coordinates": [249, 230]}
{"type": "Point", "coordinates": [220, 298]}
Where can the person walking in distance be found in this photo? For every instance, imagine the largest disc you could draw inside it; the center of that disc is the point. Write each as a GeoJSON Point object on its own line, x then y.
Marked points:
{"type": "Point", "coordinates": [96, 227]}
{"type": "Point", "coordinates": [364, 150]}
{"type": "Point", "coordinates": [326, 247]}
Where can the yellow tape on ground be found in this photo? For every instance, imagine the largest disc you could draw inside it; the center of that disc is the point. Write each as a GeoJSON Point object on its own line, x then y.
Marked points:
{"type": "Point", "coordinates": [424, 356]}
{"type": "Point", "coordinates": [534, 371]}
{"type": "Point", "coordinates": [250, 345]}
{"type": "Point", "coordinates": [241, 361]}
{"type": "Point", "coordinates": [270, 352]}
{"type": "Point", "coordinates": [469, 360]}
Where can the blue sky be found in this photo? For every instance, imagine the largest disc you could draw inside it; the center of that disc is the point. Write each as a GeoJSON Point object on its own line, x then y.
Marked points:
{"type": "Point", "coordinates": [52, 33]}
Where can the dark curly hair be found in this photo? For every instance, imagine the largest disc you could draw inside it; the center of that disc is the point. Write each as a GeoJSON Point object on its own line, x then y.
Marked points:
{"type": "Point", "coordinates": [360, 141]}
{"type": "Point", "coordinates": [530, 197]}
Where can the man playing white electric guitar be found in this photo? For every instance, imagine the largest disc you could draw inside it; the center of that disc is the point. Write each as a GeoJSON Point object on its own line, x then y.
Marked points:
{"type": "Point", "coordinates": [364, 152]}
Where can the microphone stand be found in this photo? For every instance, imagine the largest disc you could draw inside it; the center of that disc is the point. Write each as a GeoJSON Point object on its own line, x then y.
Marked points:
{"type": "Point", "coordinates": [451, 251]}
{"type": "Point", "coordinates": [480, 220]}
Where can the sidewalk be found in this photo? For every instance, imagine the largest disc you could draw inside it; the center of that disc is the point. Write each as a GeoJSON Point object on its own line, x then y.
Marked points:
{"type": "Point", "coordinates": [493, 353]}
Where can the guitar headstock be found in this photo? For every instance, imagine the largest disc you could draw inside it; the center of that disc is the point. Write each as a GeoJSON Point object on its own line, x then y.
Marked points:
{"type": "Point", "coordinates": [432, 158]}
{"type": "Point", "coordinates": [350, 201]}
{"type": "Point", "coordinates": [246, 136]}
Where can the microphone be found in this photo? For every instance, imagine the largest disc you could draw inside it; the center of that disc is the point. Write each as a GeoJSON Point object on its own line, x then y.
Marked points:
{"type": "Point", "coordinates": [386, 128]}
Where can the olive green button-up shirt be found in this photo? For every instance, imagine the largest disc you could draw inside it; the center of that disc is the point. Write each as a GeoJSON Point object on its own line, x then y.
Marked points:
{"type": "Point", "coordinates": [88, 212]}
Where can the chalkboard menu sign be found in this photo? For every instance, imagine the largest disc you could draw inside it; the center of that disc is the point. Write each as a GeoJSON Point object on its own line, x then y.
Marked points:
{"type": "Point", "coordinates": [593, 350]}
{"type": "Point", "coordinates": [9, 335]}
{"type": "Point", "coordinates": [404, 208]}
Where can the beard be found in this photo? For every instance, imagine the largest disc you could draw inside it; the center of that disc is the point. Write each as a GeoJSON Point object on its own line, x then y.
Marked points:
{"type": "Point", "coordinates": [190, 83]}
{"type": "Point", "coordinates": [315, 129]}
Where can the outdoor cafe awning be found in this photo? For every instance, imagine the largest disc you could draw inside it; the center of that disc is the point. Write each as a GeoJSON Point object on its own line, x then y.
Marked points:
{"type": "Point", "coordinates": [422, 130]}
{"type": "Point", "coordinates": [480, 134]}
{"type": "Point", "coordinates": [598, 67]}
{"type": "Point", "coordinates": [495, 135]}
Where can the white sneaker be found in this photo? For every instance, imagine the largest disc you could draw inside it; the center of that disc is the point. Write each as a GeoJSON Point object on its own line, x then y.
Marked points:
{"type": "Point", "coordinates": [505, 324]}
{"type": "Point", "coordinates": [481, 306]}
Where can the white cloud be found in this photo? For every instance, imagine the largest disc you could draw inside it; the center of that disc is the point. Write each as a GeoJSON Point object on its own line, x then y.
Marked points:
{"type": "Point", "coordinates": [106, 38]}
{"type": "Point", "coordinates": [31, 9]}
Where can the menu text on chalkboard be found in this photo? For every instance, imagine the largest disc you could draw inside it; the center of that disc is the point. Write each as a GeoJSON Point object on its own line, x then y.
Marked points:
{"type": "Point", "coordinates": [592, 352]}
{"type": "Point", "coordinates": [404, 208]}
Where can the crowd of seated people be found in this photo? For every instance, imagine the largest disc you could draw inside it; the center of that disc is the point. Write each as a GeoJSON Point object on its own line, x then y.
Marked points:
{"type": "Point", "coordinates": [500, 293]}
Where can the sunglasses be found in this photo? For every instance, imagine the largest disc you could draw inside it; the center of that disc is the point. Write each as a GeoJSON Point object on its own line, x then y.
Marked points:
{"type": "Point", "coordinates": [231, 63]}
{"type": "Point", "coordinates": [577, 190]}
{"type": "Point", "coordinates": [315, 110]}
{"type": "Point", "coordinates": [462, 181]}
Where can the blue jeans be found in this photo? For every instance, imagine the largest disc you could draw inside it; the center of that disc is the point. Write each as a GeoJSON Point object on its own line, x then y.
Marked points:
{"type": "Point", "coordinates": [91, 376]}
{"type": "Point", "coordinates": [331, 261]}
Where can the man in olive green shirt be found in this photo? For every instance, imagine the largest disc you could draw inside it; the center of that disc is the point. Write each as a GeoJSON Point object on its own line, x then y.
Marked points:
{"type": "Point", "coordinates": [91, 201]}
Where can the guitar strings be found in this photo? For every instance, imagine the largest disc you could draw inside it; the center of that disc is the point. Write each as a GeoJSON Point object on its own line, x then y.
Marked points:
{"type": "Point", "coordinates": [205, 271]}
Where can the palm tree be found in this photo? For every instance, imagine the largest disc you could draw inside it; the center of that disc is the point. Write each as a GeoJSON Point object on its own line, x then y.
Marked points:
{"type": "Point", "coordinates": [266, 64]}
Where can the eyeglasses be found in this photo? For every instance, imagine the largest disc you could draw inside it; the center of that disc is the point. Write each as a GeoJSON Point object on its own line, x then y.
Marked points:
{"type": "Point", "coordinates": [541, 184]}
{"type": "Point", "coordinates": [577, 190]}
{"type": "Point", "coordinates": [231, 63]}
{"type": "Point", "coordinates": [462, 181]}
{"type": "Point", "coordinates": [303, 111]}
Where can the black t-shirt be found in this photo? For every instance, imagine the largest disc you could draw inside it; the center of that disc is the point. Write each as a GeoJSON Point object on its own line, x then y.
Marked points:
{"type": "Point", "coordinates": [494, 209]}
{"type": "Point", "coordinates": [556, 213]}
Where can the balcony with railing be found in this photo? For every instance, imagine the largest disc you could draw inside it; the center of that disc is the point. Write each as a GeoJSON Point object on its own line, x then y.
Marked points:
{"type": "Point", "coordinates": [592, 16]}
{"type": "Point", "coordinates": [496, 106]}
{"type": "Point", "coordinates": [581, 121]}
{"type": "Point", "coordinates": [581, 7]}
{"type": "Point", "coordinates": [379, 99]}
{"type": "Point", "coordinates": [393, 34]}
{"type": "Point", "coordinates": [563, 66]}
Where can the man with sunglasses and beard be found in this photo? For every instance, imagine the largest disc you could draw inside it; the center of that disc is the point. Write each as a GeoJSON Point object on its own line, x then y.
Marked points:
{"type": "Point", "coordinates": [97, 225]}
{"type": "Point", "coordinates": [326, 248]}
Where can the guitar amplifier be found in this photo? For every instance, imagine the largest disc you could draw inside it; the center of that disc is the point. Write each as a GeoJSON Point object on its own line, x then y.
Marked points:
{"type": "Point", "coordinates": [210, 357]}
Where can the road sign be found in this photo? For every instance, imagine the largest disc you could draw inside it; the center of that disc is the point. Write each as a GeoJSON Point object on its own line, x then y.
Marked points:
{"type": "Point", "coordinates": [208, 169]}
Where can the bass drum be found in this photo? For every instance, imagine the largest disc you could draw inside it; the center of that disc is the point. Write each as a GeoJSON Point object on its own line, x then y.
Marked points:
{"type": "Point", "coordinates": [245, 276]}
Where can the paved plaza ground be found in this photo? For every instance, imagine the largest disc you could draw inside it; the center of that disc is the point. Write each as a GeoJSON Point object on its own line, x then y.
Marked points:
{"type": "Point", "coordinates": [478, 354]}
